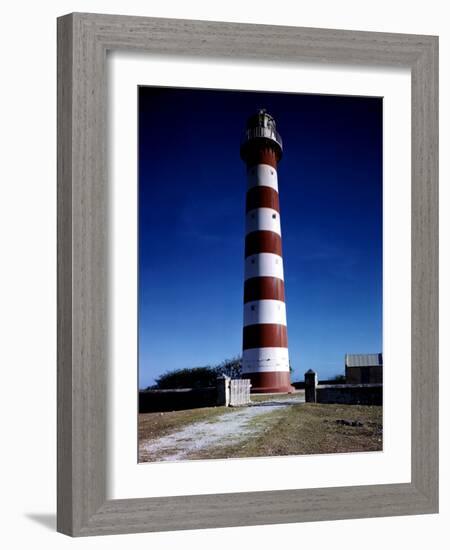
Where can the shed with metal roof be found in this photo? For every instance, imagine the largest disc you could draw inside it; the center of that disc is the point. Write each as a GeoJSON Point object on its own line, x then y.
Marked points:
{"type": "Point", "coordinates": [364, 368]}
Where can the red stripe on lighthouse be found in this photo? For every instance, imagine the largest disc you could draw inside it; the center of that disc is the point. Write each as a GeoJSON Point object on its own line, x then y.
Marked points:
{"type": "Point", "coordinates": [262, 197]}
{"type": "Point", "coordinates": [262, 155]}
{"type": "Point", "coordinates": [263, 288]}
{"type": "Point", "coordinates": [262, 241]}
{"type": "Point", "coordinates": [270, 382]}
{"type": "Point", "coordinates": [265, 336]}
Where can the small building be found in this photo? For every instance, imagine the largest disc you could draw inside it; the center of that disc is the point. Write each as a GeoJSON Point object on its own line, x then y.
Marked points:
{"type": "Point", "coordinates": [364, 368]}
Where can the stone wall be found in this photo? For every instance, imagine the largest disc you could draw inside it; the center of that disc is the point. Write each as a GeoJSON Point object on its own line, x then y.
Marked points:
{"type": "Point", "coordinates": [300, 384]}
{"type": "Point", "coordinates": [227, 392]}
{"type": "Point", "coordinates": [351, 394]}
{"type": "Point", "coordinates": [176, 400]}
{"type": "Point", "coordinates": [346, 394]}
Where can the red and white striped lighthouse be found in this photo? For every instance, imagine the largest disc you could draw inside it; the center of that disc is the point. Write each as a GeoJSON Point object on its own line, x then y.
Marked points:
{"type": "Point", "coordinates": [265, 358]}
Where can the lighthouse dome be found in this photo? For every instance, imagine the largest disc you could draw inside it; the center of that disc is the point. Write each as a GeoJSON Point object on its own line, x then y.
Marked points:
{"type": "Point", "coordinates": [261, 130]}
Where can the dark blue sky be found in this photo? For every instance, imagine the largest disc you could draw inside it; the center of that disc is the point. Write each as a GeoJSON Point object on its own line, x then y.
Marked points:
{"type": "Point", "coordinates": [192, 187]}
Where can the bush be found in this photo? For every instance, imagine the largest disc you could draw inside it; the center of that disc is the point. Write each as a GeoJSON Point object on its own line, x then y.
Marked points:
{"type": "Point", "coordinates": [198, 377]}
{"type": "Point", "coordinates": [187, 378]}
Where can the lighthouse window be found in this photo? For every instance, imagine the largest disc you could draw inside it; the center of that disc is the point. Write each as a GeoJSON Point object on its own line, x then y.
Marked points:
{"type": "Point", "coordinates": [271, 172]}
{"type": "Point", "coordinates": [274, 216]}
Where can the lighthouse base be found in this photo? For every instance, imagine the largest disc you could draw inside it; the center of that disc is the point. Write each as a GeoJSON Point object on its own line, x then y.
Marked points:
{"type": "Point", "coordinates": [270, 382]}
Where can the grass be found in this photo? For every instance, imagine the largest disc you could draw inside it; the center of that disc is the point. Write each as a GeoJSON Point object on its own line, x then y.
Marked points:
{"type": "Point", "coordinates": [299, 429]}
{"type": "Point", "coordinates": [308, 429]}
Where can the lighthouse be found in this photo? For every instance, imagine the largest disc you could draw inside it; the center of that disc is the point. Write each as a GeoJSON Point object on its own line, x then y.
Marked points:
{"type": "Point", "coordinates": [265, 357]}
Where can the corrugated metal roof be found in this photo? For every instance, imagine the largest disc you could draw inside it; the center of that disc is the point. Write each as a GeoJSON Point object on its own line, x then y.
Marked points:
{"type": "Point", "coordinates": [364, 360]}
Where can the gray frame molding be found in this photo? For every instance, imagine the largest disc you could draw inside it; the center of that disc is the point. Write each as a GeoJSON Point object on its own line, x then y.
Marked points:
{"type": "Point", "coordinates": [83, 40]}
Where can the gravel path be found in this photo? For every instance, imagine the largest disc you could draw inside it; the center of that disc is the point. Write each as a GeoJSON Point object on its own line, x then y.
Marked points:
{"type": "Point", "coordinates": [227, 429]}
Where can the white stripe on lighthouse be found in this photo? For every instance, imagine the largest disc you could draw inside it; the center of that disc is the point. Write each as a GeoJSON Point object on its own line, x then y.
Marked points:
{"type": "Point", "coordinates": [263, 219]}
{"type": "Point", "coordinates": [265, 311]}
{"type": "Point", "coordinates": [262, 174]}
{"type": "Point", "coordinates": [265, 360]}
{"type": "Point", "coordinates": [264, 264]}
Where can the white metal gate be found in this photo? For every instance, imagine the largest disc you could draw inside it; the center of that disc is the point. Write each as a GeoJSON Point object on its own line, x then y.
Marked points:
{"type": "Point", "coordinates": [239, 392]}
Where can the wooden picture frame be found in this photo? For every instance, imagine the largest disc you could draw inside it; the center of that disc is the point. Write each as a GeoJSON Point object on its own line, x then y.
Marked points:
{"type": "Point", "coordinates": [83, 40]}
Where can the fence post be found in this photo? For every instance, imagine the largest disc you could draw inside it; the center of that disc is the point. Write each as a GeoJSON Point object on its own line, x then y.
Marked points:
{"type": "Point", "coordinates": [223, 390]}
{"type": "Point", "coordinates": [310, 386]}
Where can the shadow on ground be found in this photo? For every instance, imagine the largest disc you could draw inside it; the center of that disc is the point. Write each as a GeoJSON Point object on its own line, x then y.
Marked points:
{"type": "Point", "coordinates": [46, 520]}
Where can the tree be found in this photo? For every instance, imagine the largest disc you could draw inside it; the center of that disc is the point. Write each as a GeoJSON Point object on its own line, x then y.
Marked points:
{"type": "Point", "coordinates": [230, 367]}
